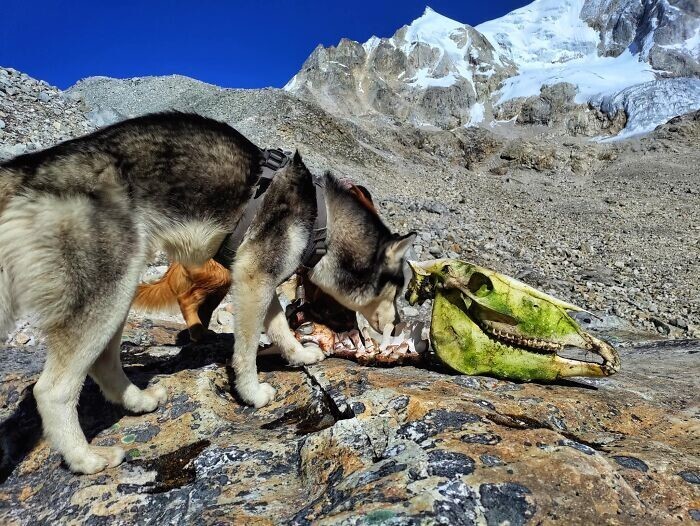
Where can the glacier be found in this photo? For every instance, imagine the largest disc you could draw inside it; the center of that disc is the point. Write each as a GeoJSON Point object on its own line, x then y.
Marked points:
{"type": "Point", "coordinates": [652, 103]}
{"type": "Point", "coordinates": [551, 43]}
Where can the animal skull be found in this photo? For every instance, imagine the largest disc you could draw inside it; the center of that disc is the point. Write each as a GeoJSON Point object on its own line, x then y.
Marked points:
{"type": "Point", "coordinates": [484, 322]}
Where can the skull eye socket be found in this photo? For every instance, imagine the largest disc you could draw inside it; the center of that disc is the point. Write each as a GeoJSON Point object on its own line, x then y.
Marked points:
{"type": "Point", "coordinates": [480, 284]}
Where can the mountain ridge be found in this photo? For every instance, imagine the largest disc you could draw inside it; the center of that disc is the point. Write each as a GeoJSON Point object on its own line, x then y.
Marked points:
{"type": "Point", "coordinates": [439, 72]}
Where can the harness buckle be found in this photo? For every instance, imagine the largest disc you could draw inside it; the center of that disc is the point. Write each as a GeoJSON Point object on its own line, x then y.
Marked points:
{"type": "Point", "coordinates": [275, 158]}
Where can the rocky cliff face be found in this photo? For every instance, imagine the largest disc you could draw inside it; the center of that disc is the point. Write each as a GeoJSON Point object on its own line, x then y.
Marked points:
{"type": "Point", "coordinates": [439, 72]}
{"type": "Point", "coordinates": [664, 32]}
{"type": "Point", "coordinates": [434, 71]}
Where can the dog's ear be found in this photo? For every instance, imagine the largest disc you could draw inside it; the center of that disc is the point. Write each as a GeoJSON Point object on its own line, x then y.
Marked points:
{"type": "Point", "coordinates": [365, 192]}
{"type": "Point", "coordinates": [296, 159]}
{"type": "Point", "coordinates": [397, 247]}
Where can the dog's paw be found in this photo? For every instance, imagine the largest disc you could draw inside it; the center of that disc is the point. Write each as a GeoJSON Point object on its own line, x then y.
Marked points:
{"type": "Point", "coordinates": [158, 392]}
{"type": "Point", "coordinates": [87, 463]}
{"type": "Point", "coordinates": [146, 400]}
{"type": "Point", "coordinates": [112, 454]}
{"type": "Point", "coordinates": [257, 395]}
{"type": "Point", "coordinates": [306, 354]}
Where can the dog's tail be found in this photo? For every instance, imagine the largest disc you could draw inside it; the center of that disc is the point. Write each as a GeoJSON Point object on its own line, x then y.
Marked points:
{"type": "Point", "coordinates": [161, 295]}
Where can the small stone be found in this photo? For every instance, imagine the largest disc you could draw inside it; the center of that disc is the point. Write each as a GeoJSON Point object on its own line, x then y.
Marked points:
{"type": "Point", "coordinates": [225, 318]}
{"type": "Point", "coordinates": [2, 124]}
{"type": "Point", "coordinates": [410, 312]}
{"type": "Point", "coordinates": [43, 96]}
{"type": "Point", "coordinates": [434, 207]}
{"type": "Point", "coordinates": [660, 325]}
{"type": "Point", "coordinates": [631, 463]}
{"type": "Point", "coordinates": [22, 338]}
{"type": "Point", "coordinates": [435, 250]}
{"type": "Point", "coordinates": [491, 460]}
{"type": "Point", "coordinates": [680, 323]}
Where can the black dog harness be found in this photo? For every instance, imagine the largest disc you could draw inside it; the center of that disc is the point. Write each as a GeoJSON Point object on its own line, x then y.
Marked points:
{"type": "Point", "coordinates": [272, 161]}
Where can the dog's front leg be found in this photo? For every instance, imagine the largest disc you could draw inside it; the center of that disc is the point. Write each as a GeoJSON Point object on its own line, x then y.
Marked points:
{"type": "Point", "coordinates": [277, 329]}
{"type": "Point", "coordinates": [253, 290]}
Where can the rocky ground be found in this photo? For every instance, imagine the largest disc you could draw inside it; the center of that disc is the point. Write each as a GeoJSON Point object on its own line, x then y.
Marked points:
{"type": "Point", "coordinates": [346, 444]}
{"type": "Point", "coordinates": [612, 227]}
{"type": "Point", "coordinates": [35, 115]}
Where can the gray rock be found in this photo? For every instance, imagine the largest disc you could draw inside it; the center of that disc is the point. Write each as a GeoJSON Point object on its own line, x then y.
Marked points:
{"type": "Point", "coordinates": [225, 318]}
{"type": "Point", "coordinates": [410, 312]}
{"type": "Point", "coordinates": [680, 323]}
{"type": "Point", "coordinates": [331, 450]}
{"type": "Point", "coordinates": [434, 207]}
{"type": "Point", "coordinates": [7, 152]}
{"type": "Point", "coordinates": [103, 117]}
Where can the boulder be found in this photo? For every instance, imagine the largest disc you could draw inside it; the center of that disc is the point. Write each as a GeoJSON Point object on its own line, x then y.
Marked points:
{"type": "Point", "coordinates": [555, 107]}
{"type": "Point", "coordinates": [347, 444]}
{"type": "Point", "coordinates": [524, 154]}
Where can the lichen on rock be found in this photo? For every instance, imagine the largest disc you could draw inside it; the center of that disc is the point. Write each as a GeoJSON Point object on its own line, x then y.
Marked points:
{"type": "Point", "coordinates": [344, 443]}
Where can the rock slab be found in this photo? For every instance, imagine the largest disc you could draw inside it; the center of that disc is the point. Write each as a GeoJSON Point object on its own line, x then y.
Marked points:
{"type": "Point", "coordinates": [346, 444]}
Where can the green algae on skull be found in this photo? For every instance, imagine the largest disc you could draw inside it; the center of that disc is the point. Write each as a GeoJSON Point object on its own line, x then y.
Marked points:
{"type": "Point", "coordinates": [484, 322]}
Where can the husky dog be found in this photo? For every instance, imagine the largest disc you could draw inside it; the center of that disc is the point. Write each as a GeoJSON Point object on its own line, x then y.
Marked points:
{"type": "Point", "coordinates": [79, 221]}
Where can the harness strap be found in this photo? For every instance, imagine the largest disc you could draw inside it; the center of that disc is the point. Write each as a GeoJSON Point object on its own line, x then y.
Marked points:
{"type": "Point", "coordinates": [271, 162]}
{"type": "Point", "coordinates": [317, 246]}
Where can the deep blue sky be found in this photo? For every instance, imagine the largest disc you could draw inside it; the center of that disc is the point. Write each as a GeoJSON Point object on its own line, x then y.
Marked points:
{"type": "Point", "coordinates": [229, 43]}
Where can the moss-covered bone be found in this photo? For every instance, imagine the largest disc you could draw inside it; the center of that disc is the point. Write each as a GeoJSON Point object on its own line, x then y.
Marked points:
{"type": "Point", "coordinates": [484, 322]}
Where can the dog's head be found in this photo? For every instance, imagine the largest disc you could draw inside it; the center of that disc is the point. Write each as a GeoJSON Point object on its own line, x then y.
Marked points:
{"type": "Point", "coordinates": [364, 269]}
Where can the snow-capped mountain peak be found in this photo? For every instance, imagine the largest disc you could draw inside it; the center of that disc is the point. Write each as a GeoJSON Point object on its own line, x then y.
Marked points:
{"type": "Point", "coordinates": [432, 28]}
{"type": "Point", "coordinates": [430, 72]}
{"type": "Point", "coordinates": [441, 72]}
{"type": "Point", "coordinates": [550, 43]}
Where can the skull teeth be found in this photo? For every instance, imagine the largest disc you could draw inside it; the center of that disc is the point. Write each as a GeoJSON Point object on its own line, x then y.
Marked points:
{"type": "Point", "coordinates": [530, 343]}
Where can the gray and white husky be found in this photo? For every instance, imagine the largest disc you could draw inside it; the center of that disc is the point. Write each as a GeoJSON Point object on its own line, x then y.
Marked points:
{"type": "Point", "coordinates": [79, 221]}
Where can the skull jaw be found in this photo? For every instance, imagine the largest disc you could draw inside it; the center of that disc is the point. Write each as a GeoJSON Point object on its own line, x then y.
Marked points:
{"type": "Point", "coordinates": [461, 344]}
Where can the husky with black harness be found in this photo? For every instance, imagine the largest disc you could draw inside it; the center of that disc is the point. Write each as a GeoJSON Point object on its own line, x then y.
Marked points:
{"type": "Point", "coordinates": [79, 221]}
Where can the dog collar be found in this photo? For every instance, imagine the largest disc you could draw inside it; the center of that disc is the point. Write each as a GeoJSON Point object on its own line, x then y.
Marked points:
{"type": "Point", "coordinates": [317, 246]}
{"type": "Point", "coordinates": [271, 162]}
